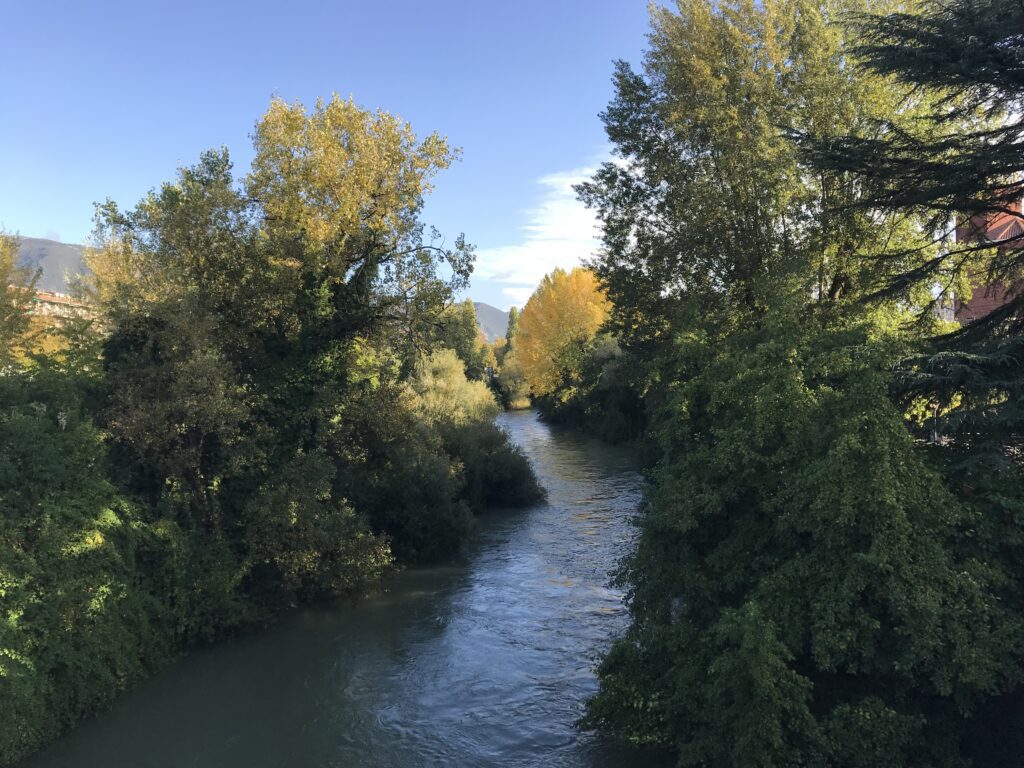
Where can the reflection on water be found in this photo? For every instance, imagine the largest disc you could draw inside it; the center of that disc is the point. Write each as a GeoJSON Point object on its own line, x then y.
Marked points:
{"type": "Point", "coordinates": [484, 663]}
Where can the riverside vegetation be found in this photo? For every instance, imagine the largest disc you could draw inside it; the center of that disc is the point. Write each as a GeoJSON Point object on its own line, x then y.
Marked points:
{"type": "Point", "coordinates": [831, 558]}
{"type": "Point", "coordinates": [559, 357]}
{"type": "Point", "coordinates": [265, 406]}
{"type": "Point", "coordinates": [830, 567]}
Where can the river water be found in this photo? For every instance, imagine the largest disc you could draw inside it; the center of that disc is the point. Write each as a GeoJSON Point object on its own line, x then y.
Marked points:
{"type": "Point", "coordinates": [484, 663]}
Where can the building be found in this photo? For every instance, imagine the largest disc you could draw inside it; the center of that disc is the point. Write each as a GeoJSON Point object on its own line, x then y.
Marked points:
{"type": "Point", "coordinates": [1006, 229]}
{"type": "Point", "coordinates": [56, 305]}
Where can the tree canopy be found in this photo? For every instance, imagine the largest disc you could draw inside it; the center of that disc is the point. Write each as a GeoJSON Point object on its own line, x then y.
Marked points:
{"type": "Point", "coordinates": [17, 289]}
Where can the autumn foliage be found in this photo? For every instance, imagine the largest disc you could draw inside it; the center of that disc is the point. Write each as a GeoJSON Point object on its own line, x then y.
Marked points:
{"type": "Point", "coordinates": [557, 325]}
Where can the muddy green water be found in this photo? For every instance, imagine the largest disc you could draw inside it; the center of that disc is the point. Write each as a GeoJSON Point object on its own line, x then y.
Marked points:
{"type": "Point", "coordinates": [486, 663]}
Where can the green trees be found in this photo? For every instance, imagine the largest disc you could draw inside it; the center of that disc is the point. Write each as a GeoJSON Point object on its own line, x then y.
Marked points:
{"type": "Point", "coordinates": [77, 611]}
{"type": "Point", "coordinates": [719, 214]}
{"type": "Point", "coordinates": [513, 326]}
{"type": "Point", "coordinates": [962, 164]}
{"type": "Point", "coordinates": [511, 383]}
{"type": "Point", "coordinates": [963, 172]}
{"type": "Point", "coordinates": [440, 391]}
{"type": "Point", "coordinates": [245, 319]}
{"type": "Point", "coordinates": [801, 592]}
{"type": "Point", "coordinates": [808, 586]}
{"type": "Point", "coordinates": [458, 330]}
{"type": "Point", "coordinates": [249, 423]}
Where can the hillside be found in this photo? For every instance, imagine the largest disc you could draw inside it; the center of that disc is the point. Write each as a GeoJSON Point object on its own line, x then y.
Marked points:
{"type": "Point", "coordinates": [59, 261]}
{"type": "Point", "coordinates": [492, 321]}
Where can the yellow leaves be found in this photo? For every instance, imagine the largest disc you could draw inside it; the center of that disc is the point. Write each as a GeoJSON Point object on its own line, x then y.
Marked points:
{"type": "Point", "coordinates": [562, 316]}
{"type": "Point", "coordinates": [340, 170]}
{"type": "Point", "coordinates": [17, 287]}
{"type": "Point", "coordinates": [118, 276]}
{"type": "Point", "coordinates": [333, 193]}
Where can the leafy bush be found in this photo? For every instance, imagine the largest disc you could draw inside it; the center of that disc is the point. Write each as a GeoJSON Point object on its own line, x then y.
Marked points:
{"type": "Point", "coordinates": [441, 393]}
{"type": "Point", "coordinates": [421, 458]}
{"type": "Point", "coordinates": [511, 382]}
{"type": "Point", "coordinates": [79, 621]}
{"type": "Point", "coordinates": [495, 473]}
{"type": "Point", "coordinates": [301, 543]}
{"type": "Point", "coordinates": [604, 399]}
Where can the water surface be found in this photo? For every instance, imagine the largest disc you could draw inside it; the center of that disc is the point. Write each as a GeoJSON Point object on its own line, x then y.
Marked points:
{"type": "Point", "coordinates": [486, 663]}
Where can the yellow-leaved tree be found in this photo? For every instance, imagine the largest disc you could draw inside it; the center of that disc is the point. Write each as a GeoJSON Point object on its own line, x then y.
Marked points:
{"type": "Point", "coordinates": [17, 288]}
{"type": "Point", "coordinates": [341, 174]}
{"type": "Point", "coordinates": [556, 327]}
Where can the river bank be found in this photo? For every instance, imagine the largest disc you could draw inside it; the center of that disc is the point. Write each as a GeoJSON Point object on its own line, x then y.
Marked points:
{"type": "Point", "coordinates": [486, 662]}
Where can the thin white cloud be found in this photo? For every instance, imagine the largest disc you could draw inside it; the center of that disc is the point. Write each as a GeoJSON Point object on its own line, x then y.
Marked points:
{"type": "Point", "coordinates": [517, 295]}
{"type": "Point", "coordinates": [560, 232]}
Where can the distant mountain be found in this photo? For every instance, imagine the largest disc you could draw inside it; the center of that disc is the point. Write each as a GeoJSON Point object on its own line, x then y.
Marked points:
{"type": "Point", "coordinates": [59, 261]}
{"type": "Point", "coordinates": [492, 321]}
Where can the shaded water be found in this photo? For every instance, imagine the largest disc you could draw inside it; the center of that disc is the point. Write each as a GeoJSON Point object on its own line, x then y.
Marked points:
{"type": "Point", "coordinates": [484, 663]}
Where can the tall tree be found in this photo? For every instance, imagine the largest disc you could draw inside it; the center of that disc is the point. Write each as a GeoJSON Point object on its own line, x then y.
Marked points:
{"type": "Point", "coordinates": [350, 184]}
{"type": "Point", "coordinates": [457, 330]}
{"type": "Point", "coordinates": [513, 326]}
{"type": "Point", "coordinates": [243, 321]}
{"type": "Point", "coordinates": [965, 172]}
{"type": "Point", "coordinates": [962, 168]}
{"type": "Point", "coordinates": [710, 210]}
{"type": "Point", "coordinates": [797, 544]}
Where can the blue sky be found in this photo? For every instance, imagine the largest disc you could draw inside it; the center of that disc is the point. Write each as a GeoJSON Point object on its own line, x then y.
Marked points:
{"type": "Point", "coordinates": [107, 99]}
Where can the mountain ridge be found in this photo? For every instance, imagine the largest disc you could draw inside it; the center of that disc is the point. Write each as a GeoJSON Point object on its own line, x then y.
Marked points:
{"type": "Point", "coordinates": [58, 261]}
{"type": "Point", "coordinates": [493, 322]}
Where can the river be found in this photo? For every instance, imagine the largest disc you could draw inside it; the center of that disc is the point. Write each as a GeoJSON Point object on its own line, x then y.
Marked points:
{"type": "Point", "coordinates": [484, 663]}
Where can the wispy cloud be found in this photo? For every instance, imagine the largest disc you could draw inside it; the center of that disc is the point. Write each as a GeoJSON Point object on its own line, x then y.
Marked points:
{"type": "Point", "coordinates": [560, 232]}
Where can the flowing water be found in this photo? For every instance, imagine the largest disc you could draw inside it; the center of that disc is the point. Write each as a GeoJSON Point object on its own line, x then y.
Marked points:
{"type": "Point", "coordinates": [484, 663]}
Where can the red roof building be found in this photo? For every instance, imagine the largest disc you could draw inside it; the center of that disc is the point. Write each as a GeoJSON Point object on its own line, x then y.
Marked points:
{"type": "Point", "coordinates": [58, 305]}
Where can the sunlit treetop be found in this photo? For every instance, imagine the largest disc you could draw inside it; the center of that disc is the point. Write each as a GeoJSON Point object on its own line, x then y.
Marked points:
{"type": "Point", "coordinates": [340, 170]}
{"type": "Point", "coordinates": [329, 212]}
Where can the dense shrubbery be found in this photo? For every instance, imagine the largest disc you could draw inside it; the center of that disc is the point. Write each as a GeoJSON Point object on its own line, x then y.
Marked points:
{"type": "Point", "coordinates": [249, 421]}
{"type": "Point", "coordinates": [494, 472]}
{"type": "Point", "coordinates": [802, 551]}
{"type": "Point", "coordinates": [429, 457]}
{"type": "Point", "coordinates": [79, 618]}
{"type": "Point", "coordinates": [511, 384]}
{"type": "Point", "coordinates": [602, 397]}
